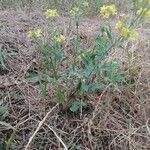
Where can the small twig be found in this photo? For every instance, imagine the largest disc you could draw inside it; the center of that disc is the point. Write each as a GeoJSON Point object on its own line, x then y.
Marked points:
{"type": "Point", "coordinates": [39, 126]}
{"type": "Point", "coordinates": [65, 147]}
{"type": "Point", "coordinates": [148, 128]}
{"type": "Point", "coordinates": [99, 100]}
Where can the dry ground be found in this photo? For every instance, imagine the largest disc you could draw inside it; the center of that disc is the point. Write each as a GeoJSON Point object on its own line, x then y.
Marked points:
{"type": "Point", "coordinates": [113, 121]}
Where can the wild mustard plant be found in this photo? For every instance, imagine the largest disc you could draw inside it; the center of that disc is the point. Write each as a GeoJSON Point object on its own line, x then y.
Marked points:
{"type": "Point", "coordinates": [108, 10]}
{"type": "Point", "coordinates": [51, 13]}
{"type": "Point", "coordinates": [126, 32]}
{"type": "Point", "coordinates": [144, 13]}
{"type": "Point", "coordinates": [142, 9]}
{"type": "Point", "coordinates": [88, 72]}
{"type": "Point", "coordinates": [127, 28]}
{"type": "Point", "coordinates": [74, 11]}
{"type": "Point", "coordinates": [59, 38]}
{"type": "Point", "coordinates": [36, 34]}
{"type": "Point", "coordinates": [52, 55]}
{"type": "Point", "coordinates": [85, 74]}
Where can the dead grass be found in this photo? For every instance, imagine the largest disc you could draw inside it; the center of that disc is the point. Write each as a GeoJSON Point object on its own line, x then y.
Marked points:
{"type": "Point", "coordinates": [112, 120]}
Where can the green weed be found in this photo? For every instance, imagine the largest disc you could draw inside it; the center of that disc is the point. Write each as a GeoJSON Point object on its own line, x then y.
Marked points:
{"type": "Point", "coordinates": [86, 74]}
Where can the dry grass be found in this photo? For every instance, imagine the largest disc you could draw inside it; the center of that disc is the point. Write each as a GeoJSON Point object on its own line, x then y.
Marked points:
{"type": "Point", "coordinates": [112, 121]}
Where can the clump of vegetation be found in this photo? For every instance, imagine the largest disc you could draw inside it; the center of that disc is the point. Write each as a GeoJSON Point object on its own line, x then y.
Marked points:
{"type": "Point", "coordinates": [88, 72]}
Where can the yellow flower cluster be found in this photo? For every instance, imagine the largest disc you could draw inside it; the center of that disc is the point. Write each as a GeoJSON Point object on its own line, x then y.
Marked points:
{"type": "Point", "coordinates": [74, 11]}
{"type": "Point", "coordinates": [108, 11]}
{"type": "Point", "coordinates": [125, 32]}
{"type": "Point", "coordinates": [35, 34]}
{"type": "Point", "coordinates": [119, 24]}
{"type": "Point", "coordinates": [133, 34]}
{"type": "Point", "coordinates": [144, 12]}
{"type": "Point", "coordinates": [51, 13]}
{"type": "Point", "coordinates": [59, 38]}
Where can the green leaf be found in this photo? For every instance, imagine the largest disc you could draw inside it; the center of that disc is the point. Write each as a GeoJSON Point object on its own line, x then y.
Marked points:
{"type": "Point", "coordinates": [92, 87]}
{"type": "Point", "coordinates": [109, 32]}
{"type": "Point", "coordinates": [60, 96]}
{"type": "Point", "coordinates": [33, 76]}
{"type": "Point", "coordinates": [101, 48]}
{"type": "Point", "coordinates": [3, 110]}
{"type": "Point", "coordinates": [43, 88]}
{"type": "Point", "coordinates": [51, 80]}
{"type": "Point", "coordinates": [79, 84]}
{"type": "Point", "coordinates": [76, 105]}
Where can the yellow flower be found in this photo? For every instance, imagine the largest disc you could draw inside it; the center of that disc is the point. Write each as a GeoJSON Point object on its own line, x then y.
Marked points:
{"type": "Point", "coordinates": [108, 11]}
{"type": "Point", "coordinates": [74, 11]}
{"type": "Point", "coordinates": [51, 13]}
{"type": "Point", "coordinates": [35, 34]}
{"type": "Point", "coordinates": [133, 34]}
{"type": "Point", "coordinates": [124, 32]}
{"type": "Point", "coordinates": [144, 12]}
{"type": "Point", "coordinates": [59, 38]}
{"type": "Point", "coordinates": [119, 24]}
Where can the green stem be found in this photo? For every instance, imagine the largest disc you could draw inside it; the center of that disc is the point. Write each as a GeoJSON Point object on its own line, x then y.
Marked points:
{"type": "Point", "coordinates": [76, 50]}
{"type": "Point", "coordinates": [10, 140]}
{"type": "Point", "coordinates": [54, 69]}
